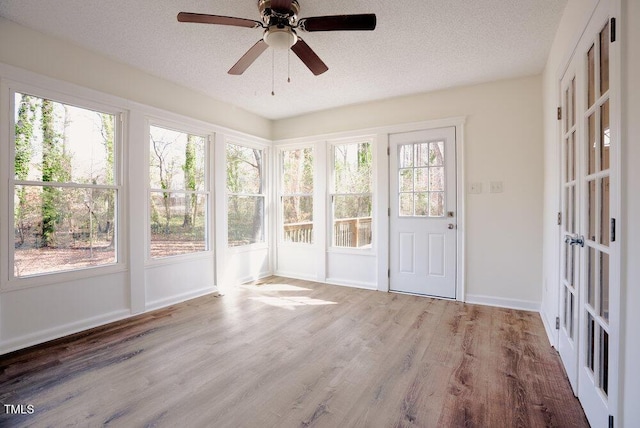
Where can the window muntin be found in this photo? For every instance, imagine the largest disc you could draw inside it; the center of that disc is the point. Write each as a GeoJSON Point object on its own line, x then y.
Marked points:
{"type": "Point", "coordinates": [421, 181]}
{"type": "Point", "coordinates": [296, 198]}
{"type": "Point", "coordinates": [179, 198]}
{"type": "Point", "coordinates": [65, 187]}
{"type": "Point", "coordinates": [351, 196]}
{"type": "Point", "coordinates": [245, 195]}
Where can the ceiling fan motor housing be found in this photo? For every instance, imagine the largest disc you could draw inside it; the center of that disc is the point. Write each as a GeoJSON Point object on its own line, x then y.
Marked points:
{"type": "Point", "coordinates": [278, 17]}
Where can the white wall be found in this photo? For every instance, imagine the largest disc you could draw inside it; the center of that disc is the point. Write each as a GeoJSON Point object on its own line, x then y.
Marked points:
{"type": "Point", "coordinates": [630, 227]}
{"type": "Point", "coordinates": [503, 142]}
{"type": "Point", "coordinates": [59, 59]}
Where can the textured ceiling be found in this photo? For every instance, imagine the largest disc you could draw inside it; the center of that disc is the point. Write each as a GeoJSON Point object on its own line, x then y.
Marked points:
{"type": "Point", "coordinates": [418, 46]}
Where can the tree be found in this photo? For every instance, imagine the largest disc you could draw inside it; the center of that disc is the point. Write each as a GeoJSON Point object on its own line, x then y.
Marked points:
{"type": "Point", "coordinates": [49, 172]}
{"type": "Point", "coordinates": [56, 167]}
{"type": "Point", "coordinates": [165, 174]}
{"type": "Point", "coordinates": [189, 169]}
{"type": "Point", "coordinates": [107, 131]}
{"type": "Point", "coordinates": [24, 129]}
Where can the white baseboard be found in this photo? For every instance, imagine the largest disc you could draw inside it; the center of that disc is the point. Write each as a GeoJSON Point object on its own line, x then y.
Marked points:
{"type": "Point", "coordinates": [172, 300]}
{"type": "Point", "coordinates": [501, 302]}
{"type": "Point", "coordinates": [61, 331]}
{"type": "Point", "coordinates": [551, 331]}
{"type": "Point", "coordinates": [351, 283]}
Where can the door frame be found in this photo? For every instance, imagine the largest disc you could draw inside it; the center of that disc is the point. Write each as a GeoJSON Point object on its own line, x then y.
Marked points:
{"type": "Point", "coordinates": [458, 124]}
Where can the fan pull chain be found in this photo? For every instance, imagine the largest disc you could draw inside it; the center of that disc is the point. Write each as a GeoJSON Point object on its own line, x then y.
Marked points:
{"type": "Point", "coordinates": [273, 72]}
{"type": "Point", "coordinates": [289, 66]}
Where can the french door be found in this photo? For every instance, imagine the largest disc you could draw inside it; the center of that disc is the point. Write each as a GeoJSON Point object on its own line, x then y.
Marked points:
{"type": "Point", "coordinates": [589, 303]}
{"type": "Point", "coordinates": [423, 212]}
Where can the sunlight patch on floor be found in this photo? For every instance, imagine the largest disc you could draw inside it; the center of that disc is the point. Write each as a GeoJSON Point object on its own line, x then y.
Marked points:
{"type": "Point", "coordinates": [290, 302]}
{"type": "Point", "coordinates": [278, 287]}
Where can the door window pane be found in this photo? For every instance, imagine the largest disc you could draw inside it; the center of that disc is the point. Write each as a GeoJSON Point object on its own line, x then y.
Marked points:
{"type": "Point", "coordinates": [605, 134]}
{"type": "Point", "coordinates": [592, 144]}
{"type": "Point", "coordinates": [591, 76]}
{"type": "Point", "coordinates": [428, 176]}
{"type": "Point", "coordinates": [603, 367]}
{"type": "Point", "coordinates": [604, 286]}
{"type": "Point", "coordinates": [604, 211]}
{"type": "Point", "coordinates": [591, 201]}
{"type": "Point", "coordinates": [591, 342]}
{"type": "Point", "coordinates": [604, 59]}
{"type": "Point", "coordinates": [591, 278]}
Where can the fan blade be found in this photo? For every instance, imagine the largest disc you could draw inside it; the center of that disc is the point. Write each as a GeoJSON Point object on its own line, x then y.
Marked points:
{"type": "Point", "coordinates": [364, 22]}
{"type": "Point", "coordinates": [309, 57]}
{"type": "Point", "coordinates": [201, 18]}
{"type": "Point", "coordinates": [249, 57]}
{"type": "Point", "coordinates": [281, 5]}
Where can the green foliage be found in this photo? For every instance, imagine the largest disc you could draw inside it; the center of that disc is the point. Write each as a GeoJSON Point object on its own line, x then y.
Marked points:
{"type": "Point", "coordinates": [23, 135]}
{"type": "Point", "coordinates": [189, 169]}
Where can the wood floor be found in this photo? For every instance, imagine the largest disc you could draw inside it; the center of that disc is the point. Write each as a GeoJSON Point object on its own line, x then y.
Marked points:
{"type": "Point", "coordinates": [288, 353]}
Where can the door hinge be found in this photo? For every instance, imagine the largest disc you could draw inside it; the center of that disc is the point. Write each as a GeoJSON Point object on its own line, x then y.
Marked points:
{"type": "Point", "coordinates": [557, 323]}
{"type": "Point", "coordinates": [613, 230]}
{"type": "Point", "coordinates": [388, 151]}
{"type": "Point", "coordinates": [559, 219]}
{"type": "Point", "coordinates": [388, 212]}
{"type": "Point", "coordinates": [613, 30]}
{"type": "Point", "coordinates": [610, 421]}
{"type": "Point", "coordinates": [559, 113]}
{"type": "Point", "coordinates": [388, 273]}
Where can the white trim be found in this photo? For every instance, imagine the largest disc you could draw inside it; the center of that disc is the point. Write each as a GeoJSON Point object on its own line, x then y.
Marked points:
{"type": "Point", "coordinates": [501, 302]}
{"type": "Point", "coordinates": [62, 331]}
{"type": "Point", "coordinates": [350, 283]}
{"type": "Point", "coordinates": [179, 298]}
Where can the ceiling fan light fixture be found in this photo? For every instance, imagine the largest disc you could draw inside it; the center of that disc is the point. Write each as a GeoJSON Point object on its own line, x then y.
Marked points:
{"type": "Point", "coordinates": [280, 38]}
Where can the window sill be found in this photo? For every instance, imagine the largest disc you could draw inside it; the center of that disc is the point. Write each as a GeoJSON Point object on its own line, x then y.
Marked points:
{"type": "Point", "coordinates": [45, 279]}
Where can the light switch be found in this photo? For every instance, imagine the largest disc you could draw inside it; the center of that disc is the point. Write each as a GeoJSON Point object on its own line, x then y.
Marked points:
{"type": "Point", "coordinates": [495, 187]}
{"type": "Point", "coordinates": [475, 188]}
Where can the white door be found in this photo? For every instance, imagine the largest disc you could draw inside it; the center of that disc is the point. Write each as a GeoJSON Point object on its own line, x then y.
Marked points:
{"type": "Point", "coordinates": [589, 279]}
{"type": "Point", "coordinates": [422, 227]}
{"type": "Point", "coordinates": [571, 240]}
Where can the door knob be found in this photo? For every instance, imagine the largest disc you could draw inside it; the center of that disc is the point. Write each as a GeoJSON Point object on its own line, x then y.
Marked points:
{"type": "Point", "coordinates": [451, 226]}
{"type": "Point", "coordinates": [574, 240]}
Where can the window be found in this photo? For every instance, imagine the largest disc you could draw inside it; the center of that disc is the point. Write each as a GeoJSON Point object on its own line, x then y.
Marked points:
{"type": "Point", "coordinates": [65, 187]}
{"type": "Point", "coordinates": [297, 195]}
{"type": "Point", "coordinates": [421, 180]}
{"type": "Point", "coordinates": [245, 195]}
{"type": "Point", "coordinates": [179, 194]}
{"type": "Point", "coordinates": [351, 196]}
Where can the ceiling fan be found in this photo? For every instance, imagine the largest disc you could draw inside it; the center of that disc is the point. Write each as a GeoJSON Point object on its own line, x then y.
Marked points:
{"type": "Point", "coordinates": [280, 22]}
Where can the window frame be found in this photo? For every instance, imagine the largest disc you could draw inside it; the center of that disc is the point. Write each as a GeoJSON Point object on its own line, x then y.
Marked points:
{"type": "Point", "coordinates": [265, 195]}
{"type": "Point", "coordinates": [184, 127]}
{"type": "Point", "coordinates": [98, 104]}
{"type": "Point", "coordinates": [331, 194]}
{"type": "Point", "coordinates": [281, 195]}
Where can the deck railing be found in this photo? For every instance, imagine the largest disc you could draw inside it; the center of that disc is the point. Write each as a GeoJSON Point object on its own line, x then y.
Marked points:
{"type": "Point", "coordinates": [347, 232]}
{"type": "Point", "coordinates": [299, 232]}
{"type": "Point", "coordinates": [352, 232]}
